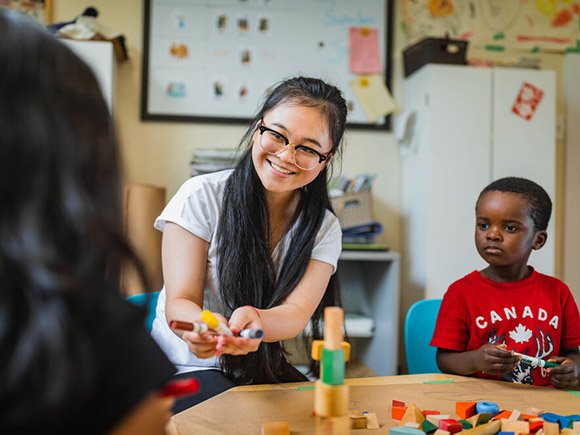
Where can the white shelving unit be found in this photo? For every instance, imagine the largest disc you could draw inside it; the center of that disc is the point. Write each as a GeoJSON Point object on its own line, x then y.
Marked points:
{"type": "Point", "coordinates": [370, 288]}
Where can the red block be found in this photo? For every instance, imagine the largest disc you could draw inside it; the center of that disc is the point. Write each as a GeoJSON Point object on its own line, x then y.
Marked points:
{"type": "Point", "coordinates": [536, 426]}
{"type": "Point", "coordinates": [450, 425]}
{"type": "Point", "coordinates": [398, 403]}
{"type": "Point", "coordinates": [465, 410]}
{"type": "Point", "coordinates": [426, 413]}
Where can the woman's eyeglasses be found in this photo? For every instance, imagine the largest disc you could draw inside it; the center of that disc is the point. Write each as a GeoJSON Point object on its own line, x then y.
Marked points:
{"type": "Point", "coordinates": [275, 143]}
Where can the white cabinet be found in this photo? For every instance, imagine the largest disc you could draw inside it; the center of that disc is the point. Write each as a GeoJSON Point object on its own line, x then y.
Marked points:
{"type": "Point", "coordinates": [99, 57]}
{"type": "Point", "coordinates": [465, 136]}
{"type": "Point", "coordinates": [370, 289]}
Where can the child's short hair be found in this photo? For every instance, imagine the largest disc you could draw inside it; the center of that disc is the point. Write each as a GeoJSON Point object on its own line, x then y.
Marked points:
{"type": "Point", "coordinates": [541, 205]}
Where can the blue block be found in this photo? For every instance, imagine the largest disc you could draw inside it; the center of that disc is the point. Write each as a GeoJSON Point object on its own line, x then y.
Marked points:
{"type": "Point", "coordinates": [482, 407]}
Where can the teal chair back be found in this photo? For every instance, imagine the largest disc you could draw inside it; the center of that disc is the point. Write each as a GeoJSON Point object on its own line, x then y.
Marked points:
{"type": "Point", "coordinates": [148, 300]}
{"type": "Point", "coordinates": [419, 327]}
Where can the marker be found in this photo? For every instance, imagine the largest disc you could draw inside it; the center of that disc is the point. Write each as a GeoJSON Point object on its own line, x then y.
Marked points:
{"type": "Point", "coordinates": [215, 324]}
{"type": "Point", "coordinates": [181, 387]}
{"type": "Point", "coordinates": [252, 333]}
{"type": "Point", "coordinates": [536, 362]}
{"type": "Point", "coordinates": [200, 328]}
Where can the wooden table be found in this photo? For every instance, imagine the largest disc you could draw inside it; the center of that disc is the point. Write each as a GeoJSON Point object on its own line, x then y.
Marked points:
{"type": "Point", "coordinates": [242, 410]}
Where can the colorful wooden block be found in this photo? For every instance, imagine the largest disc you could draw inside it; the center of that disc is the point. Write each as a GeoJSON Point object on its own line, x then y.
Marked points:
{"type": "Point", "coordinates": [402, 430]}
{"type": "Point", "coordinates": [332, 425]}
{"type": "Point", "coordinates": [535, 426]}
{"type": "Point", "coordinates": [441, 432]}
{"type": "Point", "coordinates": [427, 412]}
{"type": "Point", "coordinates": [413, 425]}
{"type": "Point", "coordinates": [330, 400]}
{"type": "Point", "coordinates": [517, 426]}
{"type": "Point", "coordinates": [332, 366]}
{"type": "Point", "coordinates": [465, 424]}
{"type": "Point", "coordinates": [489, 428]}
{"type": "Point", "coordinates": [318, 345]}
{"type": "Point", "coordinates": [357, 420]}
{"type": "Point", "coordinates": [413, 415]}
{"type": "Point", "coordinates": [372, 421]}
{"type": "Point", "coordinates": [450, 425]}
{"type": "Point", "coordinates": [515, 415]}
{"type": "Point", "coordinates": [501, 432]}
{"type": "Point", "coordinates": [478, 419]}
{"type": "Point", "coordinates": [484, 406]}
{"type": "Point", "coordinates": [504, 415]}
{"type": "Point", "coordinates": [551, 428]}
{"type": "Point", "coordinates": [397, 412]}
{"type": "Point", "coordinates": [397, 403]}
{"type": "Point", "coordinates": [429, 427]}
{"type": "Point", "coordinates": [465, 409]}
{"type": "Point", "coordinates": [275, 428]}
{"type": "Point", "coordinates": [534, 411]}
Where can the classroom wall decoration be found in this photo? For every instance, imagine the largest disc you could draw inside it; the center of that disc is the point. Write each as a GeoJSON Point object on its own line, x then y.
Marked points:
{"type": "Point", "coordinates": [39, 10]}
{"type": "Point", "coordinates": [498, 24]}
{"type": "Point", "coordinates": [213, 60]}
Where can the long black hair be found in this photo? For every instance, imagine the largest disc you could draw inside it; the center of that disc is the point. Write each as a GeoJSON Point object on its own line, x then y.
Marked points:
{"type": "Point", "coordinates": [246, 273]}
{"type": "Point", "coordinates": [61, 240]}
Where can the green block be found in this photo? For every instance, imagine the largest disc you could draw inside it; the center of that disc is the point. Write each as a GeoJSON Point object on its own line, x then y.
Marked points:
{"type": "Point", "coordinates": [332, 366]}
{"type": "Point", "coordinates": [429, 427]}
{"type": "Point", "coordinates": [465, 424]}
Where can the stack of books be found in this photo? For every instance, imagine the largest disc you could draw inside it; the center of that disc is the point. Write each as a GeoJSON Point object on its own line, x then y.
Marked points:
{"type": "Point", "coordinates": [206, 160]}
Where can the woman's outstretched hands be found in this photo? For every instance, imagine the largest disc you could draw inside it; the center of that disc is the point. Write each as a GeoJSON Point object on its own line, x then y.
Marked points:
{"type": "Point", "coordinates": [207, 345]}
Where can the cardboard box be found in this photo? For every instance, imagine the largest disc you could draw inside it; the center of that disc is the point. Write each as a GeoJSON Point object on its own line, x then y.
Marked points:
{"type": "Point", "coordinates": [142, 204]}
{"type": "Point", "coordinates": [434, 50]}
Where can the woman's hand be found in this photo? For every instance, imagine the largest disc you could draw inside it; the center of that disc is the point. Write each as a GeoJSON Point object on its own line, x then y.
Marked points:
{"type": "Point", "coordinates": [567, 375]}
{"type": "Point", "coordinates": [204, 345]}
{"type": "Point", "coordinates": [242, 318]}
{"type": "Point", "coordinates": [494, 359]}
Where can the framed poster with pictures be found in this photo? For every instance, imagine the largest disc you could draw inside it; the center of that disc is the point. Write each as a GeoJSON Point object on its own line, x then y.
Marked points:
{"type": "Point", "coordinates": [214, 60]}
{"type": "Point", "coordinates": [39, 10]}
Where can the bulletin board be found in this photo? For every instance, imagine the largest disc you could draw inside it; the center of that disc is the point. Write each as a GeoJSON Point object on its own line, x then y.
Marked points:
{"type": "Point", "coordinates": [214, 60]}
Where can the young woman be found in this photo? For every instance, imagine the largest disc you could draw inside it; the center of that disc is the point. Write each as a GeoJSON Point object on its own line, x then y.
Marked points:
{"type": "Point", "coordinates": [74, 355]}
{"type": "Point", "coordinates": [257, 246]}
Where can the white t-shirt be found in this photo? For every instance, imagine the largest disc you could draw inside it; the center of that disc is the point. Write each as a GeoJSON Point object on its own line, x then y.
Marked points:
{"type": "Point", "coordinates": [196, 207]}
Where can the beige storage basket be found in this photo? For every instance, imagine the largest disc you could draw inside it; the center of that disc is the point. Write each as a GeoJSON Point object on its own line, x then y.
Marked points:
{"type": "Point", "coordinates": [353, 209]}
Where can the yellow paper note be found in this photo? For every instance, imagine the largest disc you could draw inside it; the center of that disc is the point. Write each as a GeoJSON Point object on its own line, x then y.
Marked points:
{"type": "Point", "coordinates": [373, 96]}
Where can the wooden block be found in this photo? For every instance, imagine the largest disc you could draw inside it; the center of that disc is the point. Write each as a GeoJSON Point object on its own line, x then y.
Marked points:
{"type": "Point", "coordinates": [515, 416]}
{"type": "Point", "coordinates": [434, 418]}
{"type": "Point", "coordinates": [450, 425]}
{"type": "Point", "coordinates": [397, 403]}
{"type": "Point", "coordinates": [478, 419]}
{"type": "Point", "coordinates": [569, 431]}
{"type": "Point", "coordinates": [330, 400]}
{"type": "Point", "coordinates": [551, 428]}
{"type": "Point", "coordinates": [357, 420]}
{"type": "Point", "coordinates": [505, 433]}
{"type": "Point", "coordinates": [465, 409]}
{"type": "Point", "coordinates": [540, 432]}
{"type": "Point", "coordinates": [519, 427]}
{"type": "Point", "coordinates": [333, 324]}
{"type": "Point", "coordinates": [413, 415]}
{"type": "Point", "coordinates": [502, 415]}
{"type": "Point", "coordinates": [535, 426]}
{"type": "Point", "coordinates": [441, 432]}
{"type": "Point", "coordinates": [426, 413]}
{"type": "Point", "coordinates": [317, 346]}
{"type": "Point", "coordinates": [534, 411]}
{"type": "Point", "coordinates": [275, 428]}
{"type": "Point", "coordinates": [490, 428]}
{"type": "Point", "coordinates": [576, 426]}
{"type": "Point", "coordinates": [332, 366]}
{"type": "Point", "coordinates": [465, 424]}
{"type": "Point", "coordinates": [332, 425]}
{"type": "Point", "coordinates": [429, 427]}
{"type": "Point", "coordinates": [372, 420]}
{"type": "Point", "coordinates": [413, 425]}
{"type": "Point", "coordinates": [402, 430]}
{"type": "Point", "coordinates": [397, 412]}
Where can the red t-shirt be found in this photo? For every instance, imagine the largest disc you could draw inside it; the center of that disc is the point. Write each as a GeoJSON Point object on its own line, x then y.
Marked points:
{"type": "Point", "coordinates": [536, 316]}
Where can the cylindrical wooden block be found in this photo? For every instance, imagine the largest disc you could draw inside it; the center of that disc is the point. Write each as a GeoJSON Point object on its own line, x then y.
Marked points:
{"type": "Point", "coordinates": [333, 322]}
{"type": "Point", "coordinates": [332, 425]}
{"type": "Point", "coordinates": [330, 400]}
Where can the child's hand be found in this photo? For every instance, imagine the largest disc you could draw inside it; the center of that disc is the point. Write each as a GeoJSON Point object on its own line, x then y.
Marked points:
{"type": "Point", "coordinates": [566, 375]}
{"type": "Point", "coordinates": [494, 359]}
{"type": "Point", "coordinates": [242, 318]}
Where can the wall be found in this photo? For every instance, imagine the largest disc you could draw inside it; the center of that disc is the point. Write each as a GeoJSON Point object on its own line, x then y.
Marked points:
{"type": "Point", "coordinates": [158, 153]}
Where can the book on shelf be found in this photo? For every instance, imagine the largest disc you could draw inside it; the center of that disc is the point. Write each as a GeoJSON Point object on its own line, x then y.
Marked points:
{"type": "Point", "coordinates": [206, 160]}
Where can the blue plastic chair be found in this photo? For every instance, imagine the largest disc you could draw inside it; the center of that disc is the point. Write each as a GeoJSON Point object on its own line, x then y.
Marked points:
{"type": "Point", "coordinates": [148, 300]}
{"type": "Point", "coordinates": [419, 327]}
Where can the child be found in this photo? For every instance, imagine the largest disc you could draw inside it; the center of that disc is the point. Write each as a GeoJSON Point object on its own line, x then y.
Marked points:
{"type": "Point", "coordinates": [74, 354]}
{"type": "Point", "coordinates": [257, 245]}
{"type": "Point", "coordinates": [508, 306]}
